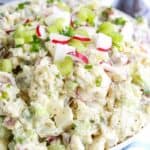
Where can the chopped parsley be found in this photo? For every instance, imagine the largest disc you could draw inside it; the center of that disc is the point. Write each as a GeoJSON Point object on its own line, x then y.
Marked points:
{"type": "Point", "coordinates": [120, 21]}
{"type": "Point", "coordinates": [68, 31]}
{"type": "Point", "coordinates": [22, 5]}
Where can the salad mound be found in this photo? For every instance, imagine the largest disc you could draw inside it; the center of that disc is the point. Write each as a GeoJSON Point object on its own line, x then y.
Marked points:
{"type": "Point", "coordinates": [73, 76]}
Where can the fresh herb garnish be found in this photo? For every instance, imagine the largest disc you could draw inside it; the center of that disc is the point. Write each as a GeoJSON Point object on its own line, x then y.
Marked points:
{"type": "Point", "coordinates": [107, 12]}
{"type": "Point", "coordinates": [36, 44]}
{"type": "Point", "coordinates": [68, 31]}
{"type": "Point", "coordinates": [120, 21]}
{"type": "Point", "coordinates": [22, 5]}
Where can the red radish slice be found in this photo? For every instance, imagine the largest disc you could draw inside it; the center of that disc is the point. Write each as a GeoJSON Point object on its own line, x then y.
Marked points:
{"type": "Point", "coordinates": [81, 38]}
{"type": "Point", "coordinates": [103, 50]}
{"type": "Point", "coordinates": [79, 57]}
{"type": "Point", "coordinates": [60, 42]}
{"type": "Point", "coordinates": [59, 39]}
{"type": "Point", "coordinates": [103, 43]}
{"type": "Point", "coordinates": [40, 31]}
{"type": "Point", "coordinates": [61, 51]}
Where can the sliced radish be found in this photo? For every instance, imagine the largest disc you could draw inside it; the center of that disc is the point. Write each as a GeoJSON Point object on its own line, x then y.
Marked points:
{"type": "Point", "coordinates": [103, 50]}
{"type": "Point", "coordinates": [81, 38]}
{"type": "Point", "coordinates": [59, 39]}
{"type": "Point", "coordinates": [40, 31]}
{"type": "Point", "coordinates": [79, 57]}
{"type": "Point", "coordinates": [103, 42]}
{"type": "Point", "coordinates": [60, 51]}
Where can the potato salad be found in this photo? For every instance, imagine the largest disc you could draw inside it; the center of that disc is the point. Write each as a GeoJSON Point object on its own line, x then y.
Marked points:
{"type": "Point", "coordinates": [73, 76]}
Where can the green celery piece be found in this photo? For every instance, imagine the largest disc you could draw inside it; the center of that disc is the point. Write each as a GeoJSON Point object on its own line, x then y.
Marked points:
{"type": "Point", "coordinates": [117, 38]}
{"type": "Point", "coordinates": [81, 32]}
{"type": "Point", "coordinates": [19, 31]}
{"type": "Point", "coordinates": [65, 66]}
{"type": "Point", "coordinates": [59, 23]}
{"type": "Point", "coordinates": [19, 41]}
{"type": "Point", "coordinates": [63, 6]}
{"type": "Point", "coordinates": [6, 65]}
{"type": "Point", "coordinates": [52, 29]}
{"type": "Point", "coordinates": [88, 66]}
{"type": "Point", "coordinates": [71, 85]}
{"type": "Point", "coordinates": [28, 36]}
{"type": "Point", "coordinates": [86, 14]}
{"type": "Point", "coordinates": [78, 45]}
{"type": "Point", "coordinates": [4, 95]}
{"type": "Point", "coordinates": [50, 1]}
{"type": "Point", "coordinates": [98, 81]}
{"type": "Point", "coordinates": [106, 27]}
{"type": "Point", "coordinates": [56, 146]}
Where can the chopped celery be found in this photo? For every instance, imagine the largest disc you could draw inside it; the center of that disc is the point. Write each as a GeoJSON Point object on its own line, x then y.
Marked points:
{"type": "Point", "coordinates": [59, 23]}
{"type": "Point", "coordinates": [63, 6]}
{"type": "Point", "coordinates": [28, 36]}
{"type": "Point", "coordinates": [71, 85]}
{"type": "Point", "coordinates": [136, 78]}
{"type": "Point", "coordinates": [65, 66]}
{"type": "Point", "coordinates": [106, 27]}
{"type": "Point", "coordinates": [81, 32]}
{"type": "Point", "coordinates": [39, 110]}
{"type": "Point", "coordinates": [117, 38]}
{"type": "Point", "coordinates": [78, 45]}
{"type": "Point", "coordinates": [56, 26]}
{"type": "Point", "coordinates": [86, 14]}
{"type": "Point", "coordinates": [23, 35]}
{"type": "Point", "coordinates": [98, 81]}
{"type": "Point", "coordinates": [3, 95]}
{"type": "Point", "coordinates": [120, 21]}
{"type": "Point", "coordinates": [56, 146]}
{"type": "Point", "coordinates": [19, 41]}
{"type": "Point", "coordinates": [19, 31]}
{"type": "Point", "coordinates": [88, 66]}
{"type": "Point", "coordinates": [50, 1]}
{"type": "Point", "coordinates": [6, 65]}
{"type": "Point", "coordinates": [76, 23]}
{"type": "Point", "coordinates": [52, 29]}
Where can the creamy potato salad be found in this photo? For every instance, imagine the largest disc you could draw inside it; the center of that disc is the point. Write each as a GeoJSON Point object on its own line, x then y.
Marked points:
{"type": "Point", "coordinates": [73, 76]}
